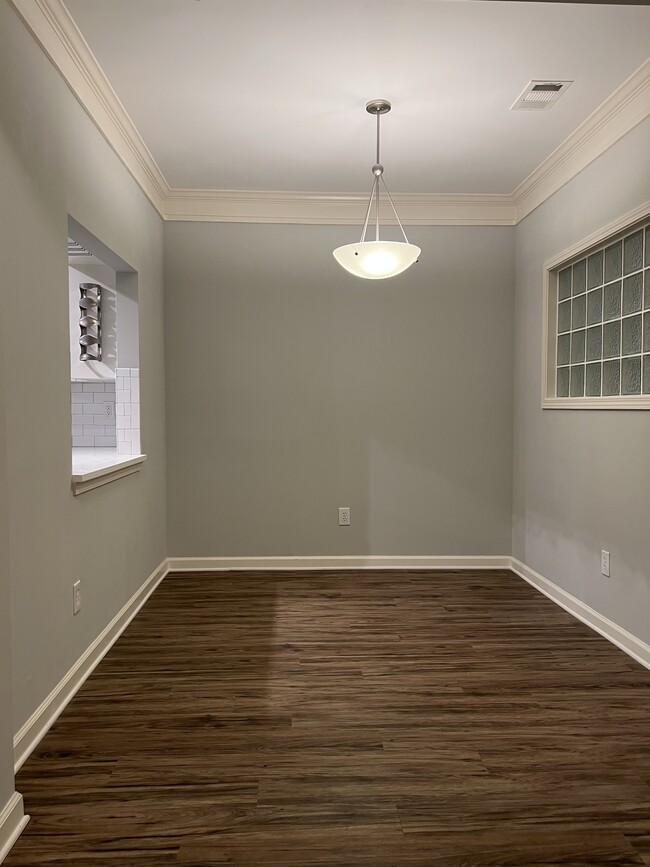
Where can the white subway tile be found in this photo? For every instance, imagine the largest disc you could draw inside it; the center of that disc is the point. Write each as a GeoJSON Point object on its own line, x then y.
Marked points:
{"type": "Point", "coordinates": [121, 435]}
{"type": "Point", "coordinates": [122, 371]}
{"type": "Point", "coordinates": [77, 430]}
{"type": "Point", "coordinates": [93, 386]}
{"type": "Point", "coordinates": [119, 383]}
{"type": "Point", "coordinates": [123, 422]}
{"type": "Point", "coordinates": [109, 387]}
{"type": "Point", "coordinates": [78, 410]}
{"type": "Point", "coordinates": [90, 408]}
{"type": "Point", "coordinates": [135, 442]}
{"type": "Point", "coordinates": [103, 421]}
{"type": "Point", "coordinates": [105, 442]}
{"type": "Point", "coordinates": [99, 396]}
{"type": "Point", "coordinates": [135, 391]}
{"type": "Point", "coordinates": [81, 397]}
{"type": "Point", "coordinates": [135, 415]}
{"type": "Point", "coordinates": [120, 408]}
{"type": "Point", "coordinates": [94, 430]}
{"type": "Point", "coordinates": [135, 372]}
{"type": "Point", "coordinates": [76, 386]}
{"type": "Point", "coordinates": [122, 396]}
{"type": "Point", "coordinates": [82, 442]}
{"type": "Point", "coordinates": [123, 448]}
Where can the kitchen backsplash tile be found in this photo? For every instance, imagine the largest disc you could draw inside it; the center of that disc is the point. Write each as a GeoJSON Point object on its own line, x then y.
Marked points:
{"type": "Point", "coordinates": [106, 414]}
{"type": "Point", "coordinates": [93, 414]}
{"type": "Point", "coordinates": [127, 410]}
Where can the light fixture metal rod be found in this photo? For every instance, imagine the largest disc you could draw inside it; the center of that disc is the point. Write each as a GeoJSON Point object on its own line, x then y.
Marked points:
{"type": "Point", "coordinates": [377, 172]}
{"type": "Point", "coordinates": [378, 133]}
{"type": "Point", "coordinates": [377, 107]}
{"type": "Point", "coordinates": [377, 207]}
{"type": "Point", "coordinates": [365, 222]}
{"type": "Point", "coordinates": [394, 210]}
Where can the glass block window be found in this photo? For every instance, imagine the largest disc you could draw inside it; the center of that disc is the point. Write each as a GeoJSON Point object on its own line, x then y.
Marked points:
{"type": "Point", "coordinates": [598, 342]}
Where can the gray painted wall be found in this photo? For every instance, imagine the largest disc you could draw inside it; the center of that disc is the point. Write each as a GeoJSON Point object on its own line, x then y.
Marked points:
{"type": "Point", "coordinates": [6, 715]}
{"type": "Point", "coordinates": [53, 161]}
{"type": "Point", "coordinates": [581, 478]}
{"type": "Point", "coordinates": [294, 388]}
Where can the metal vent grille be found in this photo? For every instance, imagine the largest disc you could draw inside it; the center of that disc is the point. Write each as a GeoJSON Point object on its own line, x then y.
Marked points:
{"type": "Point", "coordinates": [75, 249]}
{"type": "Point", "coordinates": [540, 95]}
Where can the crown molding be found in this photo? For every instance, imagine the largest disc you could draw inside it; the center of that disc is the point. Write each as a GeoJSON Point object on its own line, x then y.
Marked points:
{"type": "Point", "coordinates": [56, 31]}
{"type": "Point", "coordinates": [628, 106]}
{"type": "Point", "coordinates": [335, 209]}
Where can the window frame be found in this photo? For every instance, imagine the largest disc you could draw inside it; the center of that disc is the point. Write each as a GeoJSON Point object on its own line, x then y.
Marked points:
{"type": "Point", "coordinates": [603, 237]}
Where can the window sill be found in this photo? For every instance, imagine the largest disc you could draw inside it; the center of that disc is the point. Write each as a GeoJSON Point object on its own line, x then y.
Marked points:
{"type": "Point", "coordinates": [92, 468]}
{"type": "Point", "coordinates": [614, 402]}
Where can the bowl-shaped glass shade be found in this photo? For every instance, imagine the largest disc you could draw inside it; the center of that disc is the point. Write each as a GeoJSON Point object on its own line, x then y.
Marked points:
{"type": "Point", "coordinates": [376, 260]}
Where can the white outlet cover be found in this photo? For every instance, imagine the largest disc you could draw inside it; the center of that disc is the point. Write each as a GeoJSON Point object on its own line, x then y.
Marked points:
{"type": "Point", "coordinates": [604, 563]}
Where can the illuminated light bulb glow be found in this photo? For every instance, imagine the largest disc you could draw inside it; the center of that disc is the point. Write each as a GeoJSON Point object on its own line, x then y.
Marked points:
{"type": "Point", "coordinates": [379, 263]}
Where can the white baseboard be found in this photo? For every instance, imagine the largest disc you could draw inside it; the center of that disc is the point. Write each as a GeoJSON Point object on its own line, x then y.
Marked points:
{"type": "Point", "coordinates": [12, 822]}
{"type": "Point", "coordinates": [630, 644]}
{"type": "Point", "coordinates": [227, 564]}
{"type": "Point", "coordinates": [39, 723]}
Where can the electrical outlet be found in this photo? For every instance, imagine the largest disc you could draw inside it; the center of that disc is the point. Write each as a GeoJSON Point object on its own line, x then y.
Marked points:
{"type": "Point", "coordinates": [344, 516]}
{"type": "Point", "coordinates": [604, 563]}
{"type": "Point", "coordinates": [108, 410]}
{"type": "Point", "coordinates": [76, 597]}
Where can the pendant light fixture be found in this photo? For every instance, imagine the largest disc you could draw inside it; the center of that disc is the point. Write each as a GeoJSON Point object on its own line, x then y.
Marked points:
{"type": "Point", "coordinates": [376, 260]}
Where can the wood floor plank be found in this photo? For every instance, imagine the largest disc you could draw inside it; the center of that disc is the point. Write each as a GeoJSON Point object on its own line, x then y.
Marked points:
{"type": "Point", "coordinates": [362, 718]}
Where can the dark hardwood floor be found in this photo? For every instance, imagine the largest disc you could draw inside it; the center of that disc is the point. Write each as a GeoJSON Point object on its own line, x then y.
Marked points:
{"type": "Point", "coordinates": [386, 718]}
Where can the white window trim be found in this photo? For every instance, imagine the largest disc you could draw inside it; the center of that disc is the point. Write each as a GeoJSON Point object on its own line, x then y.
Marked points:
{"type": "Point", "coordinates": [551, 268]}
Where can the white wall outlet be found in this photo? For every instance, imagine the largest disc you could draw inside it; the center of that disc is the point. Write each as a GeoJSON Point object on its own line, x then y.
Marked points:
{"type": "Point", "coordinates": [344, 516]}
{"type": "Point", "coordinates": [604, 563]}
{"type": "Point", "coordinates": [108, 410]}
{"type": "Point", "coordinates": [76, 597]}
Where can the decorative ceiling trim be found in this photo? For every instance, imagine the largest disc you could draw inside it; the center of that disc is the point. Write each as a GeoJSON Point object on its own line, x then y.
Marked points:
{"type": "Point", "coordinates": [56, 31]}
{"type": "Point", "coordinates": [334, 209]}
{"type": "Point", "coordinates": [628, 106]}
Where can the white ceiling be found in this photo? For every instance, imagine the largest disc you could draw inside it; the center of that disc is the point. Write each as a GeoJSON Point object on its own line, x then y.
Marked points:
{"type": "Point", "coordinates": [270, 94]}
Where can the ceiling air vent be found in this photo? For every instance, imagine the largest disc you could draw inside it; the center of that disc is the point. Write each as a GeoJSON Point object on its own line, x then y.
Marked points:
{"type": "Point", "coordinates": [540, 95]}
{"type": "Point", "coordinates": [75, 249]}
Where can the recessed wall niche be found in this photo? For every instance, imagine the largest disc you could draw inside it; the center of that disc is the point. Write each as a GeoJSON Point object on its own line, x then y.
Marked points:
{"type": "Point", "coordinates": [104, 353]}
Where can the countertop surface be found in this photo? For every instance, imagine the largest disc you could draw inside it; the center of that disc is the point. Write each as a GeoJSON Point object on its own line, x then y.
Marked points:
{"type": "Point", "coordinates": [89, 460]}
